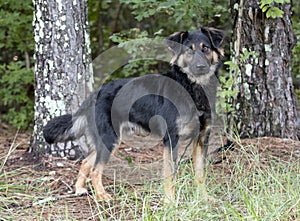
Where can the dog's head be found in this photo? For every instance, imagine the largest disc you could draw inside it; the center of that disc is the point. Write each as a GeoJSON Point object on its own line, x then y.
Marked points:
{"type": "Point", "coordinates": [197, 53]}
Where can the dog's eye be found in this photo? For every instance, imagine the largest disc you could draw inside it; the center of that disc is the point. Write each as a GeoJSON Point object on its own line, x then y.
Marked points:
{"type": "Point", "coordinates": [205, 49]}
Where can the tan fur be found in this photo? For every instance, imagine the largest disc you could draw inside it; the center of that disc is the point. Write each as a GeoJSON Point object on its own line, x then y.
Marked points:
{"type": "Point", "coordinates": [212, 55]}
{"type": "Point", "coordinates": [86, 169]}
{"type": "Point", "coordinates": [199, 156]}
{"type": "Point", "coordinates": [193, 47]}
{"type": "Point", "coordinates": [169, 188]}
{"type": "Point", "coordinates": [96, 176]}
{"type": "Point", "coordinates": [201, 45]}
{"type": "Point", "coordinates": [215, 57]}
{"type": "Point", "coordinates": [221, 51]}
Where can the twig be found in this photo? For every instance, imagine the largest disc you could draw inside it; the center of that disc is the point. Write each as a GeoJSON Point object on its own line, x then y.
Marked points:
{"type": "Point", "coordinates": [48, 200]}
{"type": "Point", "coordinates": [11, 149]}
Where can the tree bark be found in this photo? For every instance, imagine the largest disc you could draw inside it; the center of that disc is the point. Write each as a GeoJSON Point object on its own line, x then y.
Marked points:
{"type": "Point", "coordinates": [63, 68]}
{"type": "Point", "coordinates": [265, 104]}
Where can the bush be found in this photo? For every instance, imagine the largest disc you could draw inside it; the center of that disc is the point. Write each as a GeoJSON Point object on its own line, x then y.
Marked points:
{"type": "Point", "coordinates": [16, 72]}
{"type": "Point", "coordinates": [17, 93]}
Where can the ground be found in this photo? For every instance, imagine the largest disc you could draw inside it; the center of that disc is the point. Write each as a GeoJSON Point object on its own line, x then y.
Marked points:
{"type": "Point", "coordinates": [42, 189]}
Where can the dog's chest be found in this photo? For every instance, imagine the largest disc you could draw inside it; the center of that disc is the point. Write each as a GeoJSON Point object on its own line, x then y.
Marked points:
{"type": "Point", "coordinates": [188, 126]}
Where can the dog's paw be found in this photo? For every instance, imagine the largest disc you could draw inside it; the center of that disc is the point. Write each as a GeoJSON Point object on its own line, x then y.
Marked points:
{"type": "Point", "coordinates": [81, 190]}
{"type": "Point", "coordinates": [210, 199]}
{"type": "Point", "coordinates": [204, 194]}
{"type": "Point", "coordinates": [103, 196]}
{"type": "Point", "coordinates": [168, 201]}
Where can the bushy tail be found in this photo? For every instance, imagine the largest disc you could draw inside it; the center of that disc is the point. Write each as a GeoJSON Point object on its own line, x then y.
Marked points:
{"type": "Point", "coordinates": [61, 129]}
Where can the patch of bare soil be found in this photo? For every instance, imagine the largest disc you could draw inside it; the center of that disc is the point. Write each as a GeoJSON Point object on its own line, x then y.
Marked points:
{"type": "Point", "coordinates": [132, 165]}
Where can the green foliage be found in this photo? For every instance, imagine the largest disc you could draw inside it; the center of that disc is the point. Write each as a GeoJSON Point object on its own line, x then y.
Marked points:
{"type": "Point", "coordinates": [136, 20]}
{"type": "Point", "coordinates": [156, 19]}
{"type": "Point", "coordinates": [16, 74]}
{"type": "Point", "coordinates": [16, 83]}
{"type": "Point", "coordinates": [247, 54]}
{"type": "Point", "coordinates": [16, 26]}
{"type": "Point", "coordinates": [179, 14]}
{"type": "Point", "coordinates": [179, 10]}
{"type": "Point", "coordinates": [135, 43]}
{"type": "Point", "coordinates": [272, 11]}
{"type": "Point", "coordinates": [151, 16]}
{"type": "Point", "coordinates": [225, 95]}
{"type": "Point", "coordinates": [228, 91]}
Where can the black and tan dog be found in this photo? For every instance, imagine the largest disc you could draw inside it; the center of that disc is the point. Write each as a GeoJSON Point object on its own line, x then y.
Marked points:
{"type": "Point", "coordinates": [176, 107]}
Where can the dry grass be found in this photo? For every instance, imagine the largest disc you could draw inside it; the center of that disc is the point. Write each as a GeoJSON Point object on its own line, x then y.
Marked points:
{"type": "Point", "coordinates": [257, 180]}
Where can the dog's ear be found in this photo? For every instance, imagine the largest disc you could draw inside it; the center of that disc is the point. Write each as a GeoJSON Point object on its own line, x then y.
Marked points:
{"type": "Point", "coordinates": [215, 36]}
{"type": "Point", "coordinates": [174, 43]}
{"type": "Point", "coordinates": [178, 36]}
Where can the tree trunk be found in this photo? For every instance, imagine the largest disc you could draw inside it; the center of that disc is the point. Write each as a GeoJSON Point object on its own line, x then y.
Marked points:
{"type": "Point", "coordinates": [265, 104]}
{"type": "Point", "coordinates": [63, 68]}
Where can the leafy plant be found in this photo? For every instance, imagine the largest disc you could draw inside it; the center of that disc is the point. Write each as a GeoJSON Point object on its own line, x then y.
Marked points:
{"type": "Point", "coordinates": [177, 9]}
{"type": "Point", "coordinates": [161, 18]}
{"type": "Point", "coordinates": [16, 93]}
{"type": "Point", "coordinates": [296, 50]}
{"type": "Point", "coordinates": [228, 80]}
{"type": "Point", "coordinates": [16, 74]}
{"type": "Point", "coordinates": [135, 43]}
{"type": "Point", "coordinates": [271, 10]}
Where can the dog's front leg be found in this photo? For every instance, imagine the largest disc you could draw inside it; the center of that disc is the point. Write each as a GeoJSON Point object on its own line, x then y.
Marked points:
{"type": "Point", "coordinates": [199, 157]}
{"type": "Point", "coordinates": [168, 175]}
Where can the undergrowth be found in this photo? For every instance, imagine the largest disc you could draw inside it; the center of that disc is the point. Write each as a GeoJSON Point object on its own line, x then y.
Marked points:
{"type": "Point", "coordinates": [246, 185]}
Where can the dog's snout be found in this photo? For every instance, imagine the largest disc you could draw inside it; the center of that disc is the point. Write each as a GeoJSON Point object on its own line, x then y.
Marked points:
{"type": "Point", "coordinates": [200, 66]}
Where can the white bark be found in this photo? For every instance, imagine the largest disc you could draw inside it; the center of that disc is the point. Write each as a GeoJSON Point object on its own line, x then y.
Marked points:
{"type": "Point", "coordinates": [63, 68]}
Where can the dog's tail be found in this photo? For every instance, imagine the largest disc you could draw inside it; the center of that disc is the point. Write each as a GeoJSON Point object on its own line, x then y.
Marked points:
{"type": "Point", "coordinates": [64, 128]}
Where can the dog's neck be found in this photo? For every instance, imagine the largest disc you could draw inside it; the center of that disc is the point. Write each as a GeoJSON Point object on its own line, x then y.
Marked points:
{"type": "Point", "coordinates": [207, 80]}
{"type": "Point", "coordinates": [209, 87]}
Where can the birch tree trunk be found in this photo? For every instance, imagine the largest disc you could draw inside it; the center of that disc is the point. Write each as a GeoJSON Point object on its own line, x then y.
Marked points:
{"type": "Point", "coordinates": [265, 104]}
{"type": "Point", "coordinates": [63, 68]}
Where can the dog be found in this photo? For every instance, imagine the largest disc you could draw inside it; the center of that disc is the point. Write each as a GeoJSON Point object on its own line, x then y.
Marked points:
{"type": "Point", "coordinates": [175, 107]}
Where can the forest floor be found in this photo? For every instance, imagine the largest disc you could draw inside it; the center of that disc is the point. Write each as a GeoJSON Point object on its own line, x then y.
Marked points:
{"type": "Point", "coordinates": [258, 179]}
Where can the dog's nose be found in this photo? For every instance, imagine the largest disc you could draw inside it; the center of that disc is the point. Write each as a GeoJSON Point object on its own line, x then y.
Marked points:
{"type": "Point", "coordinates": [201, 66]}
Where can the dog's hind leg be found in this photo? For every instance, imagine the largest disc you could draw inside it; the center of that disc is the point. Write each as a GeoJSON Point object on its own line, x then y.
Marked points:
{"type": "Point", "coordinates": [85, 169]}
{"type": "Point", "coordinates": [96, 176]}
{"type": "Point", "coordinates": [102, 158]}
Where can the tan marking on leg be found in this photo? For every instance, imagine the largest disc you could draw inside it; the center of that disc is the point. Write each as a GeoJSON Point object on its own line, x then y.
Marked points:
{"type": "Point", "coordinates": [168, 174]}
{"type": "Point", "coordinates": [199, 156]}
{"type": "Point", "coordinates": [198, 163]}
{"type": "Point", "coordinates": [96, 175]}
{"type": "Point", "coordinates": [83, 174]}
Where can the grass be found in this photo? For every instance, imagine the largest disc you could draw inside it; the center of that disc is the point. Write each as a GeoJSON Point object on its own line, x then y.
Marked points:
{"type": "Point", "coordinates": [248, 184]}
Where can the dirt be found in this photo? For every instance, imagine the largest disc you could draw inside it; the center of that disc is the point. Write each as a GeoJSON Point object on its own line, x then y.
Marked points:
{"type": "Point", "coordinates": [130, 165]}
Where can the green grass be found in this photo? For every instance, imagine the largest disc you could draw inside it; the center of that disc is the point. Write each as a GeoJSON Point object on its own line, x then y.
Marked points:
{"type": "Point", "coordinates": [247, 185]}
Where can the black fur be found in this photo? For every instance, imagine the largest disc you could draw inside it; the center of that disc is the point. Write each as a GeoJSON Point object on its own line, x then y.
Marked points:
{"type": "Point", "coordinates": [57, 127]}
